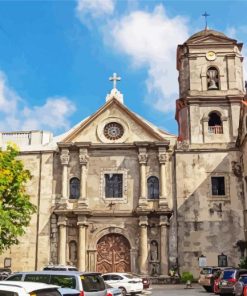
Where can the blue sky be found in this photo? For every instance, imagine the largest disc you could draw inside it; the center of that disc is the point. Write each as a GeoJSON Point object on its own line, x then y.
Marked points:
{"type": "Point", "coordinates": [56, 56]}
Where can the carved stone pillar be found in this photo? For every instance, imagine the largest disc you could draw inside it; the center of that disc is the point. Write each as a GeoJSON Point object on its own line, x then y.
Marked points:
{"type": "Point", "coordinates": [163, 182]}
{"type": "Point", "coordinates": [64, 157]}
{"type": "Point", "coordinates": [143, 157]}
{"type": "Point", "coordinates": [62, 222]}
{"type": "Point", "coordinates": [133, 256]}
{"type": "Point", "coordinates": [82, 223]}
{"type": "Point", "coordinates": [164, 245]}
{"type": "Point", "coordinates": [83, 156]}
{"type": "Point", "coordinates": [143, 247]}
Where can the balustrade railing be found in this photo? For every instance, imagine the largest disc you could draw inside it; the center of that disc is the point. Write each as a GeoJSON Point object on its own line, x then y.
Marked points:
{"type": "Point", "coordinates": [217, 129]}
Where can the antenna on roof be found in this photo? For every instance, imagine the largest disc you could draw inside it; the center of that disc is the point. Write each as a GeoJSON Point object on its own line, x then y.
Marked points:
{"type": "Point", "coordinates": [206, 19]}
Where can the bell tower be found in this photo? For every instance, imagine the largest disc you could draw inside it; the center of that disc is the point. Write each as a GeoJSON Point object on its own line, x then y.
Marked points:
{"type": "Point", "coordinates": [210, 88]}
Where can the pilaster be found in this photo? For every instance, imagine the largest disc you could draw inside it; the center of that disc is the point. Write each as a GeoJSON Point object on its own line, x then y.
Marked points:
{"type": "Point", "coordinates": [164, 223]}
{"type": "Point", "coordinates": [62, 226]}
{"type": "Point", "coordinates": [143, 157]}
{"type": "Point", "coordinates": [143, 247]}
{"type": "Point", "coordinates": [82, 224]}
{"type": "Point", "coordinates": [64, 157]}
{"type": "Point", "coordinates": [163, 158]}
{"type": "Point", "coordinates": [83, 157]}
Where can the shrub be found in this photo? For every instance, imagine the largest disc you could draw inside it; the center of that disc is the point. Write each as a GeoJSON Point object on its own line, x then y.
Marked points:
{"type": "Point", "coordinates": [243, 263]}
{"type": "Point", "coordinates": [186, 276]}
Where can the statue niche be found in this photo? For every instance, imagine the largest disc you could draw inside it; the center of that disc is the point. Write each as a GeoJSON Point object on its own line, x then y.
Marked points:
{"type": "Point", "coordinates": [154, 258]}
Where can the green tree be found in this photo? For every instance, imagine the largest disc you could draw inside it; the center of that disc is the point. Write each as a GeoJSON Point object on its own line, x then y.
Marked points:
{"type": "Point", "coordinates": [15, 206]}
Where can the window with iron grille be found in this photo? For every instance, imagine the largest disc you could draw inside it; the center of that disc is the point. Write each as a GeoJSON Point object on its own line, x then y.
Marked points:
{"type": "Point", "coordinates": [153, 187]}
{"type": "Point", "coordinates": [74, 187]}
{"type": "Point", "coordinates": [113, 185]}
{"type": "Point", "coordinates": [218, 185]}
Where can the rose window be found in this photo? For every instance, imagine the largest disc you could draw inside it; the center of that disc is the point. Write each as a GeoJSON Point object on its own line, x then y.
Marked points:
{"type": "Point", "coordinates": [113, 131]}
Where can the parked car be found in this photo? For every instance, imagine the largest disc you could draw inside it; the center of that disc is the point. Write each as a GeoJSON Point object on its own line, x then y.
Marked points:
{"type": "Point", "coordinates": [217, 275]}
{"type": "Point", "coordinates": [145, 280]}
{"type": "Point", "coordinates": [228, 279]}
{"type": "Point", "coordinates": [60, 267]}
{"type": "Point", "coordinates": [113, 291]}
{"type": "Point", "coordinates": [207, 277]}
{"type": "Point", "coordinates": [14, 288]}
{"type": "Point", "coordinates": [240, 287]}
{"type": "Point", "coordinates": [126, 282]}
{"type": "Point", "coordinates": [90, 283]}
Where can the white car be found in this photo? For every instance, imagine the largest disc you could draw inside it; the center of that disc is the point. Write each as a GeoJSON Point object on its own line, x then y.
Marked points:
{"type": "Point", "coordinates": [15, 288]}
{"type": "Point", "coordinates": [126, 282]}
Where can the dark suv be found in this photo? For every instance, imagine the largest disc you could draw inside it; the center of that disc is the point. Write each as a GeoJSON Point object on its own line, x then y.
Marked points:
{"type": "Point", "coordinates": [207, 277]}
{"type": "Point", "coordinates": [228, 279]}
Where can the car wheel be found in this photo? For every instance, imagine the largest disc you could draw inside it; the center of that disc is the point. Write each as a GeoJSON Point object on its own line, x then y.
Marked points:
{"type": "Point", "coordinates": [124, 292]}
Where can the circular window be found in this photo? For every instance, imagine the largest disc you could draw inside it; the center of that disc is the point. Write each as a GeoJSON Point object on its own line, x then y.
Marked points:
{"type": "Point", "coordinates": [113, 131]}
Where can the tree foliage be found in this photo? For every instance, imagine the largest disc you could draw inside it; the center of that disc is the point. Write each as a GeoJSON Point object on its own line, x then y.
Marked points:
{"type": "Point", "coordinates": [15, 206]}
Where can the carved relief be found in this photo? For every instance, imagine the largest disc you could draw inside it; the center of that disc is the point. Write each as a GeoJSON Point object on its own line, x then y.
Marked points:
{"type": "Point", "coordinates": [236, 169]}
{"type": "Point", "coordinates": [113, 254]}
{"type": "Point", "coordinates": [64, 157]}
{"type": "Point", "coordinates": [83, 156]}
{"type": "Point", "coordinates": [143, 156]}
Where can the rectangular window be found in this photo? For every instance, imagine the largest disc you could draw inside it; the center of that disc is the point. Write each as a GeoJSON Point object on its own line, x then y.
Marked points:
{"type": "Point", "coordinates": [218, 185]}
{"type": "Point", "coordinates": [113, 185]}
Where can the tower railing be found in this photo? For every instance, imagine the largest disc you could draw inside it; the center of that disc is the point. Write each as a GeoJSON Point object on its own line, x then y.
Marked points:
{"type": "Point", "coordinates": [217, 129]}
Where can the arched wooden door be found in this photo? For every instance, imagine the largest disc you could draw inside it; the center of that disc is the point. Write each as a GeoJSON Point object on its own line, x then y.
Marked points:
{"type": "Point", "coordinates": [113, 254]}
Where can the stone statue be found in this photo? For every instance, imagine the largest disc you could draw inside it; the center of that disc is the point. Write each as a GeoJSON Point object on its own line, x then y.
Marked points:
{"type": "Point", "coordinates": [154, 251]}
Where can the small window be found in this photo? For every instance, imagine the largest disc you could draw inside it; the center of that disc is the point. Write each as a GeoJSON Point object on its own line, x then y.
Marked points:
{"type": "Point", "coordinates": [153, 187]}
{"type": "Point", "coordinates": [16, 277]}
{"type": "Point", "coordinates": [218, 185]}
{"type": "Point", "coordinates": [212, 78]}
{"type": "Point", "coordinates": [215, 123]}
{"type": "Point", "coordinates": [39, 278]}
{"type": "Point", "coordinates": [64, 281]}
{"type": "Point", "coordinates": [92, 283]}
{"type": "Point", "coordinates": [74, 188]}
{"type": "Point", "coordinates": [113, 185]}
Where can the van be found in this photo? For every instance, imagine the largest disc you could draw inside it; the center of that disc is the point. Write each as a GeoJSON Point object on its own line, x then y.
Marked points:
{"type": "Point", "coordinates": [88, 283]}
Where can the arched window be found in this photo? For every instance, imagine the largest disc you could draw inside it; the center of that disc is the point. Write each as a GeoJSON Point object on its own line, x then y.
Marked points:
{"type": "Point", "coordinates": [74, 188]}
{"type": "Point", "coordinates": [153, 187]}
{"type": "Point", "coordinates": [213, 78]}
{"type": "Point", "coordinates": [215, 123]}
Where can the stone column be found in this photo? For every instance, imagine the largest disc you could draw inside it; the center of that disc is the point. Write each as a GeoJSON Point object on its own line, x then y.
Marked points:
{"type": "Point", "coordinates": [82, 223]}
{"type": "Point", "coordinates": [164, 245]}
{"type": "Point", "coordinates": [64, 157]}
{"type": "Point", "coordinates": [92, 260]}
{"type": "Point", "coordinates": [62, 222]}
{"type": "Point", "coordinates": [143, 247]}
{"type": "Point", "coordinates": [163, 180]}
{"type": "Point", "coordinates": [143, 157]}
{"type": "Point", "coordinates": [133, 256]}
{"type": "Point", "coordinates": [83, 157]}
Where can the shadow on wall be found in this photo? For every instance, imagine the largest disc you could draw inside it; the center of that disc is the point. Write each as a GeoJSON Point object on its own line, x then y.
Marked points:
{"type": "Point", "coordinates": [209, 222]}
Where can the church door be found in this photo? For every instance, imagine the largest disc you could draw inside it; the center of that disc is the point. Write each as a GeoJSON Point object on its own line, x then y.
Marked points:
{"type": "Point", "coordinates": [113, 254]}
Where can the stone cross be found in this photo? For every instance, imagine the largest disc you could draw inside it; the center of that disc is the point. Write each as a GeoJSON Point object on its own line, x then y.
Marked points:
{"type": "Point", "coordinates": [115, 78]}
{"type": "Point", "coordinates": [206, 19]}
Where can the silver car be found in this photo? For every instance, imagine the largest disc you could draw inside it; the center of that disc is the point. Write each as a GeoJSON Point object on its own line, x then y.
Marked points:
{"type": "Point", "coordinates": [90, 283]}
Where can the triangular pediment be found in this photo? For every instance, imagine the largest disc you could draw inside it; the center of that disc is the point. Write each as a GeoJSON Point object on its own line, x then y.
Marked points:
{"type": "Point", "coordinates": [211, 39]}
{"type": "Point", "coordinates": [133, 128]}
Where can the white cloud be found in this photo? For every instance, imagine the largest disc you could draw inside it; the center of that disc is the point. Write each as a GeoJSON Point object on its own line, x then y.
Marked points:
{"type": "Point", "coordinates": [94, 9]}
{"type": "Point", "coordinates": [15, 115]}
{"type": "Point", "coordinates": [150, 39]}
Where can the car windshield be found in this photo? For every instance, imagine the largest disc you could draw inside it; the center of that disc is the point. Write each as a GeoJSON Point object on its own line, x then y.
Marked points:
{"type": "Point", "coordinates": [206, 271]}
{"type": "Point", "coordinates": [92, 282]}
{"type": "Point", "coordinates": [228, 274]}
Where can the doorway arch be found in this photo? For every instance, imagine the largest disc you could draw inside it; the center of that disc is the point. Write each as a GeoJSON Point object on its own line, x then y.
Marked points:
{"type": "Point", "coordinates": [113, 254]}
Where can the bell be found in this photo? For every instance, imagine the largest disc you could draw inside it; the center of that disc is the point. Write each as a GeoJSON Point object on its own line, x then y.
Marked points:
{"type": "Point", "coordinates": [212, 85]}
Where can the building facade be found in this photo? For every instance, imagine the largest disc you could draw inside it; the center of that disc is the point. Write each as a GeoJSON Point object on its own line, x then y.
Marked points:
{"type": "Point", "coordinates": [116, 193]}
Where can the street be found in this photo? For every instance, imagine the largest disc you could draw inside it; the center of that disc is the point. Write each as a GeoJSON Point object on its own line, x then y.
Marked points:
{"type": "Point", "coordinates": [175, 290]}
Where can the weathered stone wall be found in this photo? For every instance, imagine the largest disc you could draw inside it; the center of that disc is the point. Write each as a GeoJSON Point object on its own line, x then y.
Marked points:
{"type": "Point", "coordinates": [37, 237]}
{"type": "Point", "coordinates": [207, 224]}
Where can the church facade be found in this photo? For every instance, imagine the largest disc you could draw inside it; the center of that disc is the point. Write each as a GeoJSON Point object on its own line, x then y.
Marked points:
{"type": "Point", "coordinates": [117, 193]}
